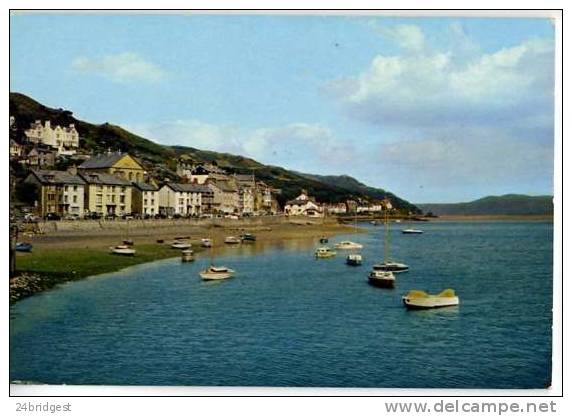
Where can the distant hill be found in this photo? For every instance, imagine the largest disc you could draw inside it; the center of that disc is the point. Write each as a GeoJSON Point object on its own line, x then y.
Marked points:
{"type": "Point", "coordinates": [510, 204]}
{"type": "Point", "coordinates": [162, 160]}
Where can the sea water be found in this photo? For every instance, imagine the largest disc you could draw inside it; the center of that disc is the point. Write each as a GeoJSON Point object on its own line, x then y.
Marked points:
{"type": "Point", "coordinates": [287, 319]}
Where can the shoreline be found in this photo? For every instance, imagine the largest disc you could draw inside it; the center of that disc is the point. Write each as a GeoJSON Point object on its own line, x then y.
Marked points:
{"type": "Point", "coordinates": [487, 217]}
{"type": "Point", "coordinates": [60, 257]}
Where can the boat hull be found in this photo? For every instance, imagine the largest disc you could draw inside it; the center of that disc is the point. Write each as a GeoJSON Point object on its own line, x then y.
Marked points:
{"type": "Point", "coordinates": [123, 252]}
{"type": "Point", "coordinates": [381, 282]}
{"type": "Point", "coordinates": [411, 232]}
{"type": "Point", "coordinates": [392, 267]}
{"type": "Point", "coordinates": [205, 275]}
{"type": "Point", "coordinates": [353, 262]}
{"type": "Point", "coordinates": [430, 303]}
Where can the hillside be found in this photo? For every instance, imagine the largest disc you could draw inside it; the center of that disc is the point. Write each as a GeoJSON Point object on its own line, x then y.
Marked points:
{"type": "Point", "coordinates": [510, 204]}
{"type": "Point", "coordinates": [162, 160]}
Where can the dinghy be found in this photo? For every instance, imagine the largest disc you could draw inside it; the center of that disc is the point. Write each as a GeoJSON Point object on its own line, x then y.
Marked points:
{"type": "Point", "coordinates": [419, 299]}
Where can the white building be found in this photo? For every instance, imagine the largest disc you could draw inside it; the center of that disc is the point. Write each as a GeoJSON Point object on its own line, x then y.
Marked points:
{"type": "Point", "coordinates": [145, 199]}
{"type": "Point", "coordinates": [303, 205]}
{"type": "Point", "coordinates": [183, 199]}
{"type": "Point", "coordinates": [340, 208]}
{"type": "Point", "coordinates": [64, 139]}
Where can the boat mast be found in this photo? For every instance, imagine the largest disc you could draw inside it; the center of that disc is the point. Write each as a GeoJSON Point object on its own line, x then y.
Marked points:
{"type": "Point", "coordinates": [387, 206]}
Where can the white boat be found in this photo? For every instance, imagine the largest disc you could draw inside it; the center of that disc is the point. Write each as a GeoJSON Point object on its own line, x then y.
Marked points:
{"type": "Point", "coordinates": [354, 259]}
{"type": "Point", "coordinates": [398, 221]}
{"type": "Point", "coordinates": [216, 273]}
{"type": "Point", "coordinates": [324, 252]}
{"type": "Point", "coordinates": [181, 245]}
{"type": "Point", "coordinates": [411, 231]}
{"type": "Point", "coordinates": [206, 242]}
{"type": "Point", "coordinates": [381, 279]}
{"type": "Point", "coordinates": [232, 240]}
{"type": "Point", "coordinates": [391, 266]}
{"type": "Point", "coordinates": [187, 256]}
{"type": "Point", "coordinates": [419, 299]}
{"type": "Point", "coordinates": [122, 250]}
{"type": "Point", "coordinates": [348, 245]}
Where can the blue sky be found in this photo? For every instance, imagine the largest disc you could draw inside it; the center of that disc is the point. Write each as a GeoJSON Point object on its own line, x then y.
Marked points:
{"type": "Point", "coordinates": [433, 109]}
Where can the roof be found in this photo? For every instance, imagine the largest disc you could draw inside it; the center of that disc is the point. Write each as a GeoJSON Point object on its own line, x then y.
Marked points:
{"type": "Point", "coordinates": [103, 179]}
{"type": "Point", "coordinates": [244, 178]}
{"type": "Point", "coordinates": [188, 187]}
{"type": "Point", "coordinates": [57, 177]}
{"type": "Point", "coordinates": [106, 160]}
{"type": "Point", "coordinates": [144, 186]}
{"type": "Point", "coordinates": [301, 201]}
{"type": "Point", "coordinates": [225, 186]}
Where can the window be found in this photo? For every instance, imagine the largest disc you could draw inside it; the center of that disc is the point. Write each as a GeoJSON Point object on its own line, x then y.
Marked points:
{"type": "Point", "coordinates": [75, 188]}
{"type": "Point", "coordinates": [122, 199]}
{"type": "Point", "coordinates": [123, 189]}
{"type": "Point", "coordinates": [113, 198]}
{"type": "Point", "coordinates": [145, 201]}
{"type": "Point", "coordinates": [75, 199]}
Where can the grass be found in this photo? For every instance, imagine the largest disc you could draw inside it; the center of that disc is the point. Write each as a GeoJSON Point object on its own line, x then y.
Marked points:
{"type": "Point", "coordinates": [82, 262]}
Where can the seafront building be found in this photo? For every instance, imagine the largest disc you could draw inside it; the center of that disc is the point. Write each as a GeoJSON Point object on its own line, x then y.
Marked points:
{"type": "Point", "coordinates": [145, 199]}
{"type": "Point", "coordinates": [303, 205]}
{"type": "Point", "coordinates": [225, 197]}
{"type": "Point", "coordinates": [64, 139]}
{"type": "Point", "coordinates": [186, 199]}
{"type": "Point", "coordinates": [121, 165]}
{"type": "Point", "coordinates": [59, 192]}
{"type": "Point", "coordinates": [106, 194]}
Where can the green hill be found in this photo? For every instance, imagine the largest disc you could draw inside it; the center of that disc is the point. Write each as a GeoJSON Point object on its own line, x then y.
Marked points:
{"type": "Point", "coordinates": [162, 160]}
{"type": "Point", "coordinates": [510, 204]}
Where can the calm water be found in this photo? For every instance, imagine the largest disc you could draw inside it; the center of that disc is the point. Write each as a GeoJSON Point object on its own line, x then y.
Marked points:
{"type": "Point", "coordinates": [290, 320]}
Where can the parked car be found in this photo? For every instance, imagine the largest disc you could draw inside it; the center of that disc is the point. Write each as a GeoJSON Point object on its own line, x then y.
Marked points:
{"type": "Point", "coordinates": [52, 216]}
{"type": "Point", "coordinates": [71, 217]}
{"type": "Point", "coordinates": [30, 218]}
{"type": "Point", "coordinates": [94, 215]}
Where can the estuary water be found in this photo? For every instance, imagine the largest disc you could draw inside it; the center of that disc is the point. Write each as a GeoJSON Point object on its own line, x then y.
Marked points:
{"type": "Point", "coordinates": [287, 319]}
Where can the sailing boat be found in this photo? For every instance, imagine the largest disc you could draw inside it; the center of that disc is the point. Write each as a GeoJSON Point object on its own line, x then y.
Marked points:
{"type": "Point", "coordinates": [215, 272]}
{"type": "Point", "coordinates": [354, 258]}
{"type": "Point", "coordinates": [381, 274]}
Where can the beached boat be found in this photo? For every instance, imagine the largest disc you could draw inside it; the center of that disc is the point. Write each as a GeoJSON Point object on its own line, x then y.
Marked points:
{"type": "Point", "coordinates": [181, 245]}
{"type": "Point", "coordinates": [122, 250]}
{"type": "Point", "coordinates": [381, 279]}
{"type": "Point", "coordinates": [23, 247]}
{"type": "Point", "coordinates": [411, 231]}
{"type": "Point", "coordinates": [419, 299]}
{"type": "Point", "coordinates": [232, 240]}
{"type": "Point", "coordinates": [128, 242]}
{"type": "Point", "coordinates": [187, 256]}
{"type": "Point", "coordinates": [206, 242]}
{"type": "Point", "coordinates": [247, 237]}
{"type": "Point", "coordinates": [323, 240]}
{"type": "Point", "coordinates": [348, 245]}
{"type": "Point", "coordinates": [324, 253]}
{"type": "Point", "coordinates": [216, 273]}
{"type": "Point", "coordinates": [354, 259]}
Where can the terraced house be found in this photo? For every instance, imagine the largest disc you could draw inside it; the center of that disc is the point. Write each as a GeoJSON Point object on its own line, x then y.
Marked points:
{"type": "Point", "coordinates": [106, 194]}
{"type": "Point", "coordinates": [59, 192]}
{"type": "Point", "coordinates": [121, 165]}
{"type": "Point", "coordinates": [145, 199]}
{"type": "Point", "coordinates": [184, 199]}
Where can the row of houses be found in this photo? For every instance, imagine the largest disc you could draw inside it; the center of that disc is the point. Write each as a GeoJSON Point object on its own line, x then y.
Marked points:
{"type": "Point", "coordinates": [116, 184]}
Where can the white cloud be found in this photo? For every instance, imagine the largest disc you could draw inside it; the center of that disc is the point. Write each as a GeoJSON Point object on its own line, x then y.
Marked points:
{"type": "Point", "coordinates": [409, 37]}
{"type": "Point", "coordinates": [123, 67]}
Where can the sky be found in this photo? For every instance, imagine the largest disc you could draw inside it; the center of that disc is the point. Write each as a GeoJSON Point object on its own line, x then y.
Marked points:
{"type": "Point", "coordinates": [431, 109]}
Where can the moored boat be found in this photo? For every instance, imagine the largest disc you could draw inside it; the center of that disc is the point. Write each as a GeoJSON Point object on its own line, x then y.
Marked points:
{"type": "Point", "coordinates": [122, 250]}
{"type": "Point", "coordinates": [411, 231]}
{"type": "Point", "coordinates": [128, 242]}
{"type": "Point", "coordinates": [381, 279]}
{"type": "Point", "coordinates": [323, 240]}
{"type": "Point", "coordinates": [206, 242]}
{"type": "Point", "coordinates": [354, 259]}
{"type": "Point", "coordinates": [348, 245]}
{"type": "Point", "coordinates": [419, 299]}
{"type": "Point", "coordinates": [216, 273]}
{"type": "Point", "coordinates": [23, 247]}
{"type": "Point", "coordinates": [324, 252]}
{"type": "Point", "coordinates": [391, 266]}
{"type": "Point", "coordinates": [187, 256]}
{"type": "Point", "coordinates": [247, 237]}
{"type": "Point", "coordinates": [232, 240]}
{"type": "Point", "coordinates": [181, 245]}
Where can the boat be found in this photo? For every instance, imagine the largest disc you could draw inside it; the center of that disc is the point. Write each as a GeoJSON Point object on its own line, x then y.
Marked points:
{"type": "Point", "coordinates": [381, 279]}
{"type": "Point", "coordinates": [411, 231]}
{"type": "Point", "coordinates": [374, 222]}
{"type": "Point", "coordinates": [23, 247]}
{"type": "Point", "coordinates": [216, 273]}
{"type": "Point", "coordinates": [181, 245]}
{"type": "Point", "coordinates": [187, 256]}
{"type": "Point", "coordinates": [128, 242]}
{"type": "Point", "coordinates": [398, 221]}
{"type": "Point", "coordinates": [246, 237]}
{"type": "Point", "coordinates": [206, 242]}
{"type": "Point", "coordinates": [122, 250]}
{"type": "Point", "coordinates": [323, 240]}
{"type": "Point", "coordinates": [354, 259]}
{"type": "Point", "coordinates": [391, 266]}
{"type": "Point", "coordinates": [232, 240]}
{"type": "Point", "coordinates": [348, 245]}
{"type": "Point", "coordinates": [324, 253]}
{"type": "Point", "coordinates": [382, 274]}
{"type": "Point", "coordinates": [419, 299]}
